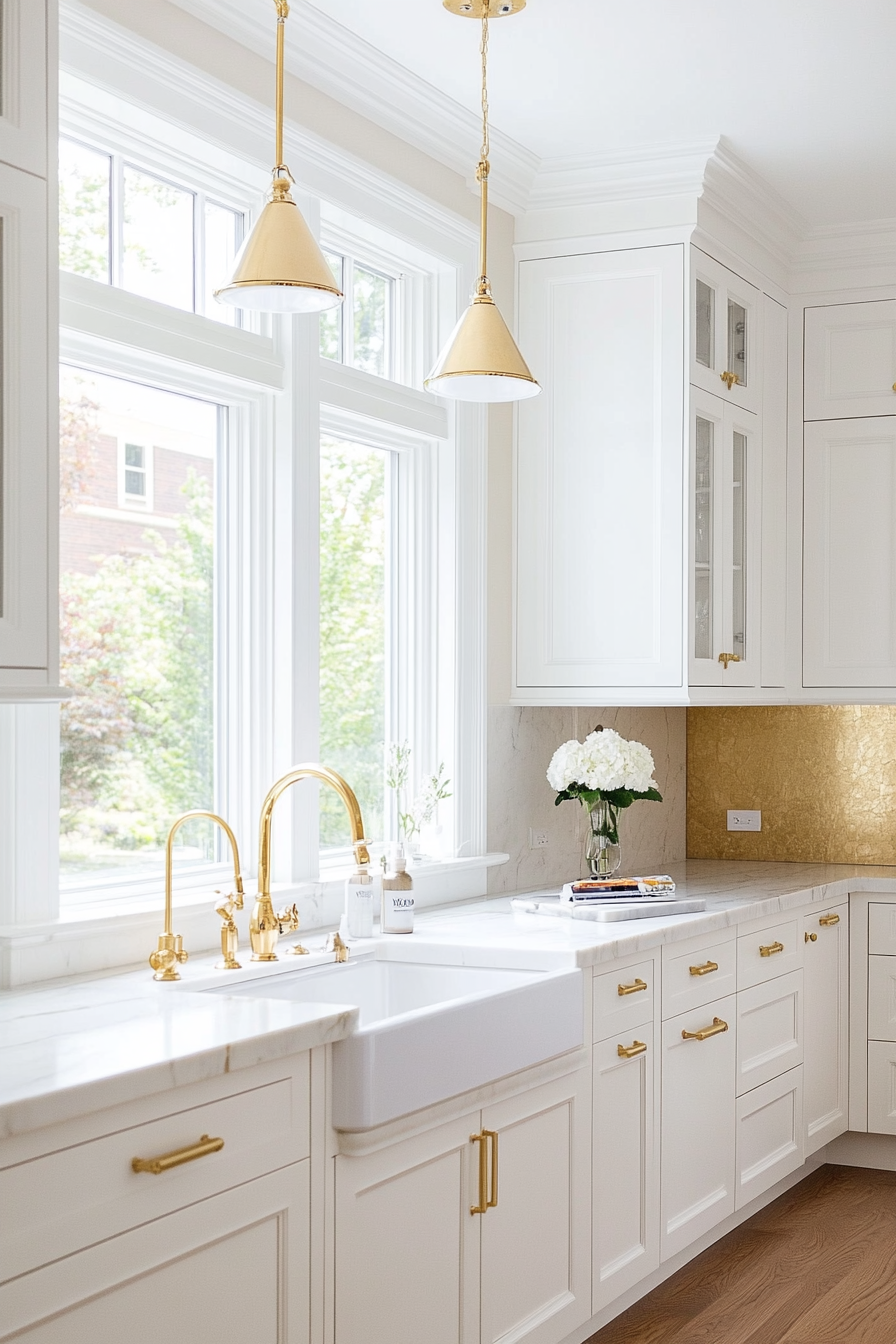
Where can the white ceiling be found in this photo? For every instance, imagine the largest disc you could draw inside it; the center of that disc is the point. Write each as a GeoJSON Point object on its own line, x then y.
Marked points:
{"type": "Point", "coordinates": [803, 90]}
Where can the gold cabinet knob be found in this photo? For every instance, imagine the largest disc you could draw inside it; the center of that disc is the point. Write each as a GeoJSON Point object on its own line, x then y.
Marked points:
{"type": "Point", "coordinates": [727, 658]}
{"type": "Point", "coordinates": [811, 938]}
{"type": "Point", "coordinates": [729, 379]}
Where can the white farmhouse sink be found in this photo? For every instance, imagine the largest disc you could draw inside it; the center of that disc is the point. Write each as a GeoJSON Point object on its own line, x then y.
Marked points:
{"type": "Point", "coordinates": [430, 1031]}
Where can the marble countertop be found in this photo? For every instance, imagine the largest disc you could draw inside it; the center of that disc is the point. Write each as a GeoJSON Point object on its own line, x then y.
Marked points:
{"type": "Point", "coordinates": [76, 1047]}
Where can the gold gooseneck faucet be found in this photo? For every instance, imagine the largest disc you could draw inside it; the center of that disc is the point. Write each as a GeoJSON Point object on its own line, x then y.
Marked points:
{"type": "Point", "coordinates": [170, 951]}
{"type": "Point", "coordinates": [265, 927]}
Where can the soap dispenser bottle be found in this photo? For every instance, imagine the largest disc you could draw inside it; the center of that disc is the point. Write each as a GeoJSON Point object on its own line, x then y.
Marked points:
{"type": "Point", "coordinates": [359, 889]}
{"type": "Point", "coordinates": [397, 907]}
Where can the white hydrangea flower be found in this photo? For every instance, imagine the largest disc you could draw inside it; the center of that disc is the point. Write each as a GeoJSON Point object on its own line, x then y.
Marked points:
{"type": "Point", "coordinates": [565, 768]}
{"type": "Point", "coordinates": [605, 761]}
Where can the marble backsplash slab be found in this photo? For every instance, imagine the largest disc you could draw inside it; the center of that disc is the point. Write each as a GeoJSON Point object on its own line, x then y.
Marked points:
{"type": "Point", "coordinates": [521, 743]}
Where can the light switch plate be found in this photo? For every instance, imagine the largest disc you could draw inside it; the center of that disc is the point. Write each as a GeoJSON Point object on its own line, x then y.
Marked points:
{"type": "Point", "coordinates": [742, 820]}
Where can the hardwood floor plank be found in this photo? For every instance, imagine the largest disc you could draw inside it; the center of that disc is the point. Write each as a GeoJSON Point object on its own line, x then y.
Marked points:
{"type": "Point", "coordinates": [816, 1267]}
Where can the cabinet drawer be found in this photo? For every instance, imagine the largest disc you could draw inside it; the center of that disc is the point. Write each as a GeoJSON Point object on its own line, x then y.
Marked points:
{"type": "Point", "coordinates": [881, 1087]}
{"type": "Point", "coordinates": [60, 1203]}
{"type": "Point", "coordinates": [882, 928]}
{"type": "Point", "coordinates": [769, 1030]}
{"type": "Point", "coordinates": [707, 971]}
{"type": "Point", "coordinates": [771, 951]}
{"type": "Point", "coordinates": [620, 1002]}
{"type": "Point", "coordinates": [882, 998]}
{"type": "Point", "coordinates": [769, 1141]}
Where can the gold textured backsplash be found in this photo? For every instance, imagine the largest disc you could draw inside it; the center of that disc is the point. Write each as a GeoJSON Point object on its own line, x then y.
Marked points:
{"type": "Point", "coordinates": [824, 777]}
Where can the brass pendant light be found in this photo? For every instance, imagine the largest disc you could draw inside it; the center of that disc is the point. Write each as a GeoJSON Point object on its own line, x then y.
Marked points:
{"type": "Point", "coordinates": [481, 361]}
{"type": "Point", "coordinates": [280, 267]}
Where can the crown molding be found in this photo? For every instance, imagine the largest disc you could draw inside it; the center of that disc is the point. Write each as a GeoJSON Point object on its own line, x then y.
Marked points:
{"type": "Point", "coordinates": [867, 246]}
{"type": "Point", "coordinates": [624, 174]}
{"type": "Point", "coordinates": [751, 205]}
{"type": "Point", "coordinates": [342, 65]}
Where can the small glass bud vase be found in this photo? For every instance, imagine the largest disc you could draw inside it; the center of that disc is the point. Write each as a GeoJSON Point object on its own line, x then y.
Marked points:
{"type": "Point", "coordinates": [602, 852]}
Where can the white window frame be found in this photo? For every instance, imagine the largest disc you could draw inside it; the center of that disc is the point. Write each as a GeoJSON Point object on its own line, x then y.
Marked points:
{"type": "Point", "coordinates": [126, 499]}
{"type": "Point", "coordinates": [268, 605]}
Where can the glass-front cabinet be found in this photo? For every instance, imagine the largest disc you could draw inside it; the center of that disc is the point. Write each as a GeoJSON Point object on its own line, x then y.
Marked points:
{"type": "Point", "coordinates": [724, 333]}
{"type": "Point", "coordinates": [724, 543]}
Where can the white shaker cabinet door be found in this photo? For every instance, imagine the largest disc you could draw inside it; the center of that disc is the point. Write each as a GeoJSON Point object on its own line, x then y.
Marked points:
{"type": "Point", "coordinates": [849, 553]}
{"type": "Point", "coordinates": [407, 1246]}
{"type": "Point", "coordinates": [825, 1025]}
{"type": "Point", "coordinates": [599, 475]}
{"type": "Point", "coordinates": [233, 1269]}
{"type": "Point", "coordinates": [536, 1243]}
{"type": "Point", "coordinates": [850, 360]}
{"type": "Point", "coordinates": [626, 1170]}
{"type": "Point", "coordinates": [27, 47]}
{"type": "Point", "coordinates": [698, 1110]}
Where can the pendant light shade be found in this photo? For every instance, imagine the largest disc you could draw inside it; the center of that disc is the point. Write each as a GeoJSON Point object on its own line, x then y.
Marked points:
{"type": "Point", "coordinates": [481, 360]}
{"type": "Point", "coordinates": [280, 267]}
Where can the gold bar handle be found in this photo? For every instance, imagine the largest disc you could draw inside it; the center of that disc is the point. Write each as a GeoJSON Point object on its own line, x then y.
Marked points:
{"type": "Point", "coordinates": [826, 921]}
{"type": "Point", "coordinates": [770, 949]}
{"type": "Point", "coordinates": [634, 988]}
{"type": "Point", "coordinates": [482, 1206]}
{"type": "Point", "coordinates": [630, 1051]}
{"type": "Point", "coordinates": [718, 1026]}
{"type": "Point", "coordinates": [156, 1165]}
{"type": "Point", "coordinates": [492, 1201]}
{"type": "Point", "coordinates": [706, 969]}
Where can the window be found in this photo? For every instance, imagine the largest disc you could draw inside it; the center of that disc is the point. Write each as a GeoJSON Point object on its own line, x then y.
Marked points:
{"type": "Point", "coordinates": [134, 229]}
{"type": "Point", "coordinates": [360, 332]}
{"type": "Point", "coordinates": [137, 621]}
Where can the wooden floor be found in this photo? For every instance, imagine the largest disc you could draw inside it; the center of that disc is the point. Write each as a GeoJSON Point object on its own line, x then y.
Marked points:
{"type": "Point", "coordinates": [816, 1267]}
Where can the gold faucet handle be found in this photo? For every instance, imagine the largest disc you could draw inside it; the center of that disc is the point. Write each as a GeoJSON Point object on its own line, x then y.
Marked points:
{"type": "Point", "coordinates": [168, 954]}
{"type": "Point", "coordinates": [288, 919]}
{"type": "Point", "coordinates": [229, 933]}
{"type": "Point", "coordinates": [335, 944]}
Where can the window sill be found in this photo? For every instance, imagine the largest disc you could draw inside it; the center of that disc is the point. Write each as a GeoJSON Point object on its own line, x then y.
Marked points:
{"type": "Point", "coordinates": [96, 938]}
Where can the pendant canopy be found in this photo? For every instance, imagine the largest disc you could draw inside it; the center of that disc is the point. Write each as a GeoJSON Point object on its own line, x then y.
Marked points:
{"type": "Point", "coordinates": [481, 360]}
{"type": "Point", "coordinates": [280, 267]}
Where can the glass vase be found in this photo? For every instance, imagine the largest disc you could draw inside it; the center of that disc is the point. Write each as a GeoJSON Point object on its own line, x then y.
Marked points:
{"type": "Point", "coordinates": [602, 852]}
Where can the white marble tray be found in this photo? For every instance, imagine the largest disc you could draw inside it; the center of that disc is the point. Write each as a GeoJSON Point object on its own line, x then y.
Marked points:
{"type": "Point", "coordinates": [610, 912]}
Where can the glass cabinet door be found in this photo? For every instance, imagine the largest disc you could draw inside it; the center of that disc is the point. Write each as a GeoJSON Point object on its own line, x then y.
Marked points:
{"type": "Point", "coordinates": [723, 332]}
{"type": "Point", "coordinates": [725, 476]}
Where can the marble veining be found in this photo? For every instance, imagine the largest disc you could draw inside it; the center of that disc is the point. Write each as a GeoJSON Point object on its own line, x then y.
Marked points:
{"type": "Point", "coordinates": [76, 1048]}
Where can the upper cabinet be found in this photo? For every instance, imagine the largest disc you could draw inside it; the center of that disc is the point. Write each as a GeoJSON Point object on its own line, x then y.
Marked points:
{"type": "Point", "coordinates": [28, 322]}
{"type": "Point", "coordinates": [725, 333]}
{"type": "Point", "coordinates": [599, 473]}
{"type": "Point", "coordinates": [649, 562]}
{"type": "Point", "coordinates": [850, 360]}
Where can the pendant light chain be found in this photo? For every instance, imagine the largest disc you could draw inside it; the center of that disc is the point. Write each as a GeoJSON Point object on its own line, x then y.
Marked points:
{"type": "Point", "coordinates": [482, 287]}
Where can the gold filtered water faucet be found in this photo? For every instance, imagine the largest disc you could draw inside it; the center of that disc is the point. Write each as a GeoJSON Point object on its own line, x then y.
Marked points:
{"type": "Point", "coordinates": [170, 951]}
{"type": "Point", "coordinates": [265, 926]}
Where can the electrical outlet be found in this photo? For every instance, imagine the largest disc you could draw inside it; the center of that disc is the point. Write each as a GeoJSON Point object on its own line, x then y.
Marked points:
{"type": "Point", "coordinates": [538, 839]}
{"type": "Point", "coordinates": [739, 819]}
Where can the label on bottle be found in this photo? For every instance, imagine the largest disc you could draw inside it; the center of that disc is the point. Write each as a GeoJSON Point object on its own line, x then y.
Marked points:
{"type": "Point", "coordinates": [398, 911]}
{"type": "Point", "coordinates": [359, 908]}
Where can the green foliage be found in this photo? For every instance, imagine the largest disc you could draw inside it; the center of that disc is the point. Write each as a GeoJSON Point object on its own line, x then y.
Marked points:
{"type": "Point", "coordinates": [84, 224]}
{"type": "Point", "coordinates": [617, 798]}
{"type": "Point", "coordinates": [352, 631]}
{"type": "Point", "coordinates": [137, 648]}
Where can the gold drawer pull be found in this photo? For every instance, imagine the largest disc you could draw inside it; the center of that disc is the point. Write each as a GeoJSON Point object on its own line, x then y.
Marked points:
{"type": "Point", "coordinates": [156, 1165]}
{"type": "Point", "coordinates": [718, 1026]}
{"type": "Point", "coordinates": [727, 658]}
{"type": "Point", "coordinates": [486, 1201]}
{"type": "Point", "coordinates": [729, 379]}
{"type": "Point", "coordinates": [630, 1051]}
{"type": "Point", "coordinates": [811, 938]}
{"type": "Point", "coordinates": [706, 969]}
{"type": "Point", "coordinates": [633, 988]}
{"type": "Point", "coordinates": [771, 949]}
{"type": "Point", "coordinates": [827, 920]}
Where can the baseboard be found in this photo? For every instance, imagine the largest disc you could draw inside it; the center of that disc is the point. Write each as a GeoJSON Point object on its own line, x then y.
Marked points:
{"type": "Point", "coordinates": [877, 1151]}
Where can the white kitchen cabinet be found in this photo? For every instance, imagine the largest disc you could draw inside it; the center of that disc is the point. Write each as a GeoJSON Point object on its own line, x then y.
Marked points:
{"type": "Point", "coordinates": [24, 71]}
{"type": "Point", "coordinates": [825, 1024]}
{"type": "Point", "coordinates": [698, 1128]}
{"type": "Point", "coordinates": [725, 543]}
{"type": "Point", "coordinates": [849, 553]}
{"type": "Point", "coordinates": [231, 1268]}
{"type": "Point", "coordinates": [769, 1141]}
{"type": "Point", "coordinates": [769, 1030]}
{"type": "Point", "coordinates": [599, 472]}
{"type": "Point", "coordinates": [625, 1162]}
{"type": "Point", "coordinates": [881, 1087]}
{"type": "Point", "coordinates": [850, 360]}
{"type": "Point", "coordinates": [725, 333]}
{"type": "Point", "coordinates": [409, 1249]}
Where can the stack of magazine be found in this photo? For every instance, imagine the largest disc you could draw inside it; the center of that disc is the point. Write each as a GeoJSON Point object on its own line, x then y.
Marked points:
{"type": "Point", "coordinates": [592, 891]}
